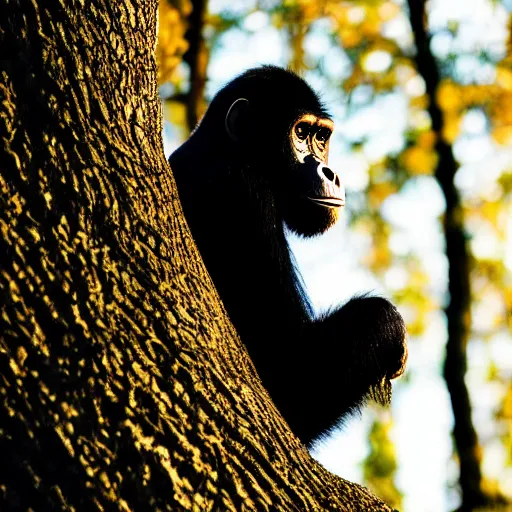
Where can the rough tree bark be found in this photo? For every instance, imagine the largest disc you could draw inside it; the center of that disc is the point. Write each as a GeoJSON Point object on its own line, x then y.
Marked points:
{"type": "Point", "coordinates": [458, 310]}
{"type": "Point", "coordinates": [122, 383]}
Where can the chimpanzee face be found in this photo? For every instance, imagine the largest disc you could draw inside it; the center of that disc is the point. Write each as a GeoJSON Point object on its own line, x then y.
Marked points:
{"type": "Point", "coordinates": [292, 151]}
{"type": "Point", "coordinates": [313, 193]}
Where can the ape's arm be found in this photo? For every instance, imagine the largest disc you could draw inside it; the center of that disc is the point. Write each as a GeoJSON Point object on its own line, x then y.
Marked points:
{"type": "Point", "coordinates": [349, 352]}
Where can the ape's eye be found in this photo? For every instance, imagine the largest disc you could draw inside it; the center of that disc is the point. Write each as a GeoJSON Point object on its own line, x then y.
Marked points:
{"type": "Point", "coordinates": [302, 130]}
{"type": "Point", "coordinates": [323, 134]}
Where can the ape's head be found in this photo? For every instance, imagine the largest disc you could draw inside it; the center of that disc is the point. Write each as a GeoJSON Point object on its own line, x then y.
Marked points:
{"type": "Point", "coordinates": [274, 124]}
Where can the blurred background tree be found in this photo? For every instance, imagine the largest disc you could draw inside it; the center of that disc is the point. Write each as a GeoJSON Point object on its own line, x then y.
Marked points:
{"type": "Point", "coordinates": [421, 93]}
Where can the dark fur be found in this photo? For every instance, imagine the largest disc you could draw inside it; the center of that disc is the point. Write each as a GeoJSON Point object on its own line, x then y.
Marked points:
{"type": "Point", "coordinates": [234, 199]}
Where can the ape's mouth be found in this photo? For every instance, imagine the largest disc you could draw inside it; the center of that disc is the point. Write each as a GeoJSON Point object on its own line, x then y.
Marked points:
{"type": "Point", "coordinates": [328, 202]}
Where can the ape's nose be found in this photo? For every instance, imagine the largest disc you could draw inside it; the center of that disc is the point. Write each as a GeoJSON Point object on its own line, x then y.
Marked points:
{"type": "Point", "coordinates": [329, 174]}
{"type": "Point", "coordinates": [331, 183]}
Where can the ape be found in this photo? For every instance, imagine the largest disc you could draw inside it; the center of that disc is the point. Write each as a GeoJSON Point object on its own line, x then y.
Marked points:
{"type": "Point", "coordinates": [258, 159]}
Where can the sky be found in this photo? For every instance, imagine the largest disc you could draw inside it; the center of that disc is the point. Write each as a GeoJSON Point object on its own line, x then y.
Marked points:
{"type": "Point", "coordinates": [331, 264]}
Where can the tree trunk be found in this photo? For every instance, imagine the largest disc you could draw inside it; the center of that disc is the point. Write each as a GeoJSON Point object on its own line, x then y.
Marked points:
{"type": "Point", "coordinates": [197, 59]}
{"type": "Point", "coordinates": [458, 310]}
{"type": "Point", "coordinates": [122, 383]}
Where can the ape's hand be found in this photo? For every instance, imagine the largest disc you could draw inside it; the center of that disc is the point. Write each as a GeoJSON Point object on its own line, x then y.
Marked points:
{"type": "Point", "coordinates": [369, 336]}
{"type": "Point", "coordinates": [375, 326]}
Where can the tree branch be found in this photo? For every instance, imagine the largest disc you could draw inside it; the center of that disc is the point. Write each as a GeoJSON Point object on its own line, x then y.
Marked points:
{"type": "Point", "coordinates": [197, 59]}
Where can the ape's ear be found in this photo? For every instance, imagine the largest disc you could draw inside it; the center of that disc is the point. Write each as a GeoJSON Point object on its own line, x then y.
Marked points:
{"type": "Point", "coordinates": [237, 119]}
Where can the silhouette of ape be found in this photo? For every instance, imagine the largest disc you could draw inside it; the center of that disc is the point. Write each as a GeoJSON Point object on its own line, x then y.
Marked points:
{"type": "Point", "coordinates": [258, 159]}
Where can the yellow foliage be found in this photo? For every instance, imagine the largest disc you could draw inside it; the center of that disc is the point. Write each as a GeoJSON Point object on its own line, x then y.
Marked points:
{"type": "Point", "coordinates": [380, 465]}
{"type": "Point", "coordinates": [502, 135]}
{"type": "Point", "coordinates": [455, 99]}
{"type": "Point", "coordinates": [416, 327]}
{"type": "Point", "coordinates": [505, 182]}
{"type": "Point", "coordinates": [417, 298]}
{"type": "Point", "coordinates": [311, 10]}
{"type": "Point", "coordinates": [171, 37]}
{"type": "Point", "coordinates": [501, 112]}
{"type": "Point", "coordinates": [507, 404]}
{"type": "Point", "coordinates": [449, 96]}
{"type": "Point", "coordinates": [276, 19]}
{"type": "Point", "coordinates": [508, 306]}
{"type": "Point", "coordinates": [452, 96]}
{"type": "Point", "coordinates": [427, 139]}
{"type": "Point", "coordinates": [480, 94]}
{"type": "Point", "coordinates": [175, 112]}
{"type": "Point", "coordinates": [504, 77]}
{"type": "Point", "coordinates": [350, 36]}
{"type": "Point", "coordinates": [420, 102]}
{"type": "Point", "coordinates": [345, 15]}
{"type": "Point", "coordinates": [362, 22]}
{"type": "Point", "coordinates": [355, 79]}
{"type": "Point", "coordinates": [492, 488]}
{"type": "Point", "coordinates": [388, 11]}
{"type": "Point", "coordinates": [302, 11]}
{"type": "Point", "coordinates": [496, 98]}
{"type": "Point", "coordinates": [419, 278]}
{"type": "Point", "coordinates": [370, 29]}
{"type": "Point", "coordinates": [492, 211]}
{"type": "Point", "coordinates": [419, 160]}
{"type": "Point", "coordinates": [383, 81]}
{"type": "Point", "coordinates": [335, 11]}
{"type": "Point", "coordinates": [379, 259]}
{"type": "Point", "coordinates": [378, 192]}
{"type": "Point", "coordinates": [451, 127]}
{"type": "Point", "coordinates": [502, 108]}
